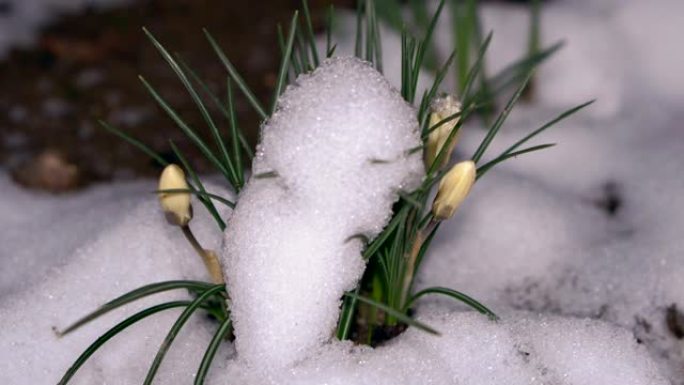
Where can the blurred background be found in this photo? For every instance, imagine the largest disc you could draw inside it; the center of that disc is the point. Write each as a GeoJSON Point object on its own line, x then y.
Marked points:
{"type": "Point", "coordinates": [64, 64]}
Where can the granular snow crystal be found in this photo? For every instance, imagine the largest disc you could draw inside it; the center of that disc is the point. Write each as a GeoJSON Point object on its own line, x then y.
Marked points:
{"type": "Point", "coordinates": [330, 164]}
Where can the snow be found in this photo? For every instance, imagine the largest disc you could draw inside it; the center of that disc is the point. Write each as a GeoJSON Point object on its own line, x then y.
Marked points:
{"type": "Point", "coordinates": [582, 290]}
{"type": "Point", "coordinates": [338, 145]}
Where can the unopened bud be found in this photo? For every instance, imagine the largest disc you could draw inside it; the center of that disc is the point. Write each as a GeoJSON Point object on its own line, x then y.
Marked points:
{"type": "Point", "coordinates": [442, 108]}
{"type": "Point", "coordinates": [453, 189]}
{"type": "Point", "coordinates": [176, 205]}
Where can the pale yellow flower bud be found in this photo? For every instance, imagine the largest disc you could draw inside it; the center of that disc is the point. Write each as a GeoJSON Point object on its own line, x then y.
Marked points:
{"type": "Point", "coordinates": [441, 109]}
{"type": "Point", "coordinates": [176, 205]}
{"type": "Point", "coordinates": [453, 189]}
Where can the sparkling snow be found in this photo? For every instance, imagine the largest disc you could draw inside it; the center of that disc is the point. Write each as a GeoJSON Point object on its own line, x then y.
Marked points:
{"type": "Point", "coordinates": [578, 248]}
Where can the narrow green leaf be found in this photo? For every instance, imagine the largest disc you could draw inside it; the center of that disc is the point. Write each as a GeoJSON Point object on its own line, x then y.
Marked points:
{"type": "Point", "coordinates": [182, 319]}
{"type": "Point", "coordinates": [475, 70]}
{"type": "Point", "coordinates": [358, 46]}
{"type": "Point", "coordinates": [217, 102]}
{"type": "Point", "coordinates": [234, 134]}
{"type": "Point", "coordinates": [330, 26]}
{"type": "Point", "coordinates": [394, 313]}
{"type": "Point", "coordinates": [285, 62]}
{"type": "Point", "coordinates": [310, 33]}
{"type": "Point", "coordinates": [489, 165]}
{"type": "Point", "coordinates": [236, 77]}
{"type": "Point", "coordinates": [114, 331]}
{"type": "Point", "coordinates": [347, 315]}
{"type": "Point", "coordinates": [136, 143]}
{"type": "Point", "coordinates": [547, 125]}
{"type": "Point", "coordinates": [500, 120]}
{"type": "Point", "coordinates": [187, 130]}
{"type": "Point", "coordinates": [198, 193]}
{"type": "Point", "coordinates": [134, 295]}
{"type": "Point", "coordinates": [227, 161]}
{"type": "Point", "coordinates": [456, 295]}
{"type": "Point", "coordinates": [209, 354]}
{"type": "Point", "coordinates": [206, 202]}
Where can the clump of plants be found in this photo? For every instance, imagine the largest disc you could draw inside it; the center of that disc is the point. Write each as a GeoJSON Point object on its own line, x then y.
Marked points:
{"type": "Point", "coordinates": [381, 306]}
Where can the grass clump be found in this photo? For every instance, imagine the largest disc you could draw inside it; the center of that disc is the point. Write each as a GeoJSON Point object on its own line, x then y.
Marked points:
{"type": "Point", "coordinates": [381, 305]}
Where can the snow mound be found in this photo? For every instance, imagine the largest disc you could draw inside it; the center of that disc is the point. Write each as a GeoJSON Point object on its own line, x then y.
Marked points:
{"type": "Point", "coordinates": [330, 164]}
{"type": "Point", "coordinates": [524, 349]}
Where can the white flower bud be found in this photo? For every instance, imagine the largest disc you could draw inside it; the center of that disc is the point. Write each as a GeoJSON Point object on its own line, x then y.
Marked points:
{"type": "Point", "coordinates": [442, 108]}
{"type": "Point", "coordinates": [176, 205]}
{"type": "Point", "coordinates": [453, 189]}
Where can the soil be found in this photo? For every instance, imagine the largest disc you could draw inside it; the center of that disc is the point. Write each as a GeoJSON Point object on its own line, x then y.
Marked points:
{"type": "Point", "coordinates": [85, 68]}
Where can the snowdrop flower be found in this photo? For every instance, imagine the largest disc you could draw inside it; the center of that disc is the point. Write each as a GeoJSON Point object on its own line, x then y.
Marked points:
{"type": "Point", "coordinates": [453, 189]}
{"type": "Point", "coordinates": [176, 206]}
{"type": "Point", "coordinates": [441, 109]}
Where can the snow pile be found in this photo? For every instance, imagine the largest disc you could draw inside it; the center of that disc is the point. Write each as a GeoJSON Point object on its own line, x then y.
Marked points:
{"type": "Point", "coordinates": [112, 256]}
{"type": "Point", "coordinates": [524, 349]}
{"type": "Point", "coordinates": [21, 20]}
{"type": "Point", "coordinates": [329, 166]}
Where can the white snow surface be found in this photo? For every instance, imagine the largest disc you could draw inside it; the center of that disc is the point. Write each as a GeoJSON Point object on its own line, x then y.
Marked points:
{"type": "Point", "coordinates": [339, 147]}
{"type": "Point", "coordinates": [575, 285]}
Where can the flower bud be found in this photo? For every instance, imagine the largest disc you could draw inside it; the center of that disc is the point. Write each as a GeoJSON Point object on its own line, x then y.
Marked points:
{"type": "Point", "coordinates": [441, 109]}
{"type": "Point", "coordinates": [453, 189]}
{"type": "Point", "coordinates": [176, 205]}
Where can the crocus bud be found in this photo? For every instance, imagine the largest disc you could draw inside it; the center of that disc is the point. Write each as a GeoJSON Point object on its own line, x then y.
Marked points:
{"type": "Point", "coordinates": [441, 109]}
{"type": "Point", "coordinates": [453, 189]}
{"type": "Point", "coordinates": [176, 205]}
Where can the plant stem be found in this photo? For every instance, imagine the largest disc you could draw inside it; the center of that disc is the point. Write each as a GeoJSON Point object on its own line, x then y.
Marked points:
{"type": "Point", "coordinates": [209, 258]}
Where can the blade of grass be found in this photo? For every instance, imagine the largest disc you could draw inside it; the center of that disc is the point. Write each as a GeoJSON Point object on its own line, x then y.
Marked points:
{"type": "Point", "coordinates": [488, 166]}
{"type": "Point", "coordinates": [285, 62]}
{"type": "Point", "coordinates": [198, 193]}
{"type": "Point", "coordinates": [216, 101]}
{"type": "Point", "coordinates": [310, 33]}
{"type": "Point", "coordinates": [209, 354]}
{"type": "Point", "coordinates": [330, 26]}
{"type": "Point", "coordinates": [424, 45]}
{"type": "Point", "coordinates": [394, 313]}
{"type": "Point", "coordinates": [494, 129]}
{"type": "Point", "coordinates": [114, 331]}
{"type": "Point", "coordinates": [189, 132]}
{"type": "Point", "coordinates": [134, 295]}
{"type": "Point", "coordinates": [182, 319]}
{"type": "Point", "coordinates": [456, 295]}
{"type": "Point", "coordinates": [475, 69]}
{"type": "Point", "coordinates": [234, 133]}
{"type": "Point", "coordinates": [136, 143]}
{"type": "Point", "coordinates": [547, 125]}
{"type": "Point", "coordinates": [206, 202]}
{"type": "Point", "coordinates": [347, 315]}
{"type": "Point", "coordinates": [227, 161]}
{"type": "Point", "coordinates": [253, 100]}
{"type": "Point", "coordinates": [358, 45]}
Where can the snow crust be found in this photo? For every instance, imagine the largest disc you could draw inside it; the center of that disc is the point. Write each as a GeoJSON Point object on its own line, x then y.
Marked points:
{"type": "Point", "coordinates": [582, 289]}
{"type": "Point", "coordinates": [337, 153]}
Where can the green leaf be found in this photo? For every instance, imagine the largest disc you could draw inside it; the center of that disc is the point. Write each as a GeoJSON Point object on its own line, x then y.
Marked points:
{"type": "Point", "coordinates": [285, 62]}
{"type": "Point", "coordinates": [202, 191]}
{"type": "Point", "coordinates": [182, 319]}
{"type": "Point", "coordinates": [507, 155]}
{"type": "Point", "coordinates": [236, 77]}
{"type": "Point", "coordinates": [227, 162]}
{"type": "Point", "coordinates": [234, 133]}
{"type": "Point", "coordinates": [209, 354]}
{"type": "Point", "coordinates": [499, 121]}
{"type": "Point", "coordinates": [187, 130]}
{"type": "Point", "coordinates": [394, 313]}
{"type": "Point", "coordinates": [136, 143]}
{"type": "Point", "coordinates": [347, 315]}
{"type": "Point", "coordinates": [217, 103]}
{"type": "Point", "coordinates": [114, 331]}
{"type": "Point", "coordinates": [549, 124]}
{"type": "Point", "coordinates": [456, 295]}
{"type": "Point", "coordinates": [310, 33]}
{"type": "Point", "coordinates": [135, 295]}
{"type": "Point", "coordinates": [198, 193]}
